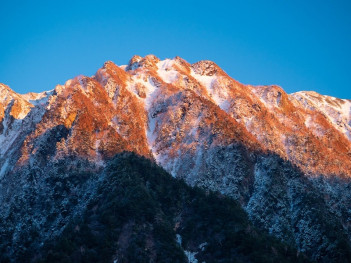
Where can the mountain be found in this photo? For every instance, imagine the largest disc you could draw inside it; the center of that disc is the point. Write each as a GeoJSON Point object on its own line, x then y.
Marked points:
{"type": "Point", "coordinates": [285, 158]}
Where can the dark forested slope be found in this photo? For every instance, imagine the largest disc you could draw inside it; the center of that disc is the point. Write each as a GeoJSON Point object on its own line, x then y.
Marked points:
{"type": "Point", "coordinates": [141, 214]}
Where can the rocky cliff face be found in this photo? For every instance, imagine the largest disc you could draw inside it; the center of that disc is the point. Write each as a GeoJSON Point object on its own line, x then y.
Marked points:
{"type": "Point", "coordinates": [285, 158]}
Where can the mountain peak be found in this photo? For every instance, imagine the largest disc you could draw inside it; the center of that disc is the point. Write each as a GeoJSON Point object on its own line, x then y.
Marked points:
{"type": "Point", "coordinates": [109, 64]}
{"type": "Point", "coordinates": [148, 61]}
{"type": "Point", "coordinates": [206, 68]}
{"type": "Point", "coordinates": [6, 92]}
{"type": "Point", "coordinates": [3, 86]}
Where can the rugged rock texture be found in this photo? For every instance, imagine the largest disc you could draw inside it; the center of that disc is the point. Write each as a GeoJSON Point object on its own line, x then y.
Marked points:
{"type": "Point", "coordinates": [285, 158]}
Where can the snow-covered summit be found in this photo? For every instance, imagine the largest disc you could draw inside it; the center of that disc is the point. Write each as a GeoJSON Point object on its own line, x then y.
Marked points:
{"type": "Point", "coordinates": [143, 103]}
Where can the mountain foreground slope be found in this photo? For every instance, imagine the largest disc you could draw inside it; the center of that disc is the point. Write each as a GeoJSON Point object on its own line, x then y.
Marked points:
{"type": "Point", "coordinates": [285, 158]}
{"type": "Point", "coordinates": [139, 213]}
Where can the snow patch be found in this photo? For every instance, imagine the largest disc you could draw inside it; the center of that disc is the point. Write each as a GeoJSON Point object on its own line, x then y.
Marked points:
{"type": "Point", "coordinates": [8, 137]}
{"type": "Point", "coordinates": [220, 95]}
{"type": "Point", "coordinates": [203, 246]}
{"type": "Point", "coordinates": [4, 169]}
{"type": "Point", "coordinates": [179, 239]}
{"type": "Point", "coordinates": [191, 256]}
{"type": "Point", "coordinates": [166, 71]}
{"type": "Point", "coordinates": [151, 93]}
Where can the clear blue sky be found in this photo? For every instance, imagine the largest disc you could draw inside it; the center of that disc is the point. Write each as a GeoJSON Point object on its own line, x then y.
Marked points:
{"type": "Point", "coordinates": [299, 45]}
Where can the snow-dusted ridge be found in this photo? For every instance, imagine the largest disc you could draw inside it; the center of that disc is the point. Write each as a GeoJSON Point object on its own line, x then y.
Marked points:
{"type": "Point", "coordinates": [338, 111]}
{"type": "Point", "coordinates": [38, 98]}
